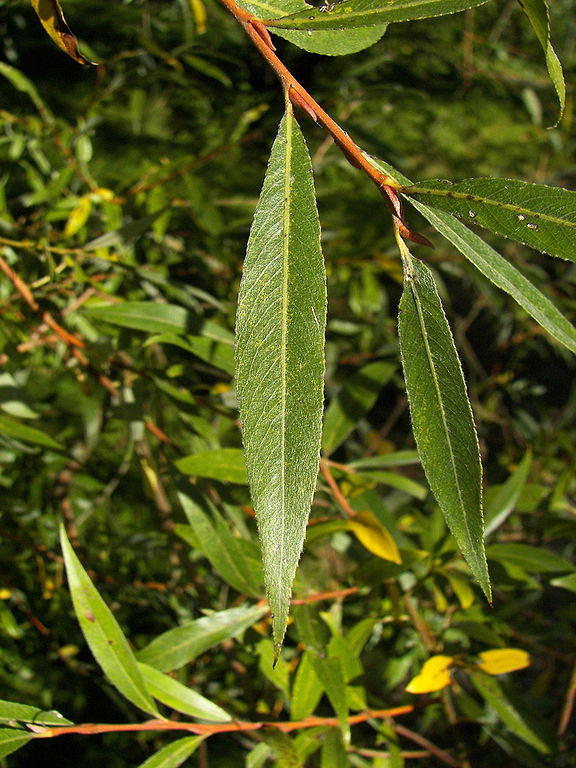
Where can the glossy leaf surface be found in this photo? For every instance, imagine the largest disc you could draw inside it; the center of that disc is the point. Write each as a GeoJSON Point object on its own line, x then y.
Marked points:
{"type": "Point", "coordinates": [363, 13]}
{"type": "Point", "coordinates": [502, 273]}
{"type": "Point", "coordinates": [441, 414]}
{"type": "Point", "coordinates": [280, 361]}
{"type": "Point", "coordinates": [331, 42]}
{"type": "Point", "coordinates": [103, 634]}
{"type": "Point", "coordinates": [541, 217]}
{"type": "Point", "coordinates": [180, 645]}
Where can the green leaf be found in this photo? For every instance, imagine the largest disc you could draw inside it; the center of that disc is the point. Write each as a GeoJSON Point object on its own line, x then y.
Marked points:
{"type": "Point", "coordinates": [174, 754]}
{"type": "Point", "coordinates": [542, 217]}
{"type": "Point", "coordinates": [333, 752]}
{"type": "Point", "coordinates": [531, 559]}
{"type": "Point", "coordinates": [12, 739]}
{"type": "Point", "coordinates": [539, 15]}
{"type": "Point", "coordinates": [328, 42]}
{"type": "Point", "coordinates": [143, 316]}
{"type": "Point", "coordinates": [103, 633]}
{"type": "Point", "coordinates": [180, 697]}
{"type": "Point", "coordinates": [178, 646]}
{"type": "Point", "coordinates": [24, 85]}
{"type": "Point", "coordinates": [307, 690]}
{"type": "Point", "coordinates": [330, 674]}
{"type": "Point", "coordinates": [491, 690]}
{"type": "Point", "coordinates": [441, 414]}
{"type": "Point", "coordinates": [28, 434]}
{"type": "Point", "coordinates": [11, 712]}
{"type": "Point", "coordinates": [226, 554]}
{"type": "Point", "coordinates": [363, 13]}
{"type": "Point", "coordinates": [52, 19]}
{"type": "Point", "coordinates": [504, 501]}
{"type": "Point", "coordinates": [211, 351]}
{"type": "Point", "coordinates": [352, 402]}
{"type": "Point", "coordinates": [283, 747]}
{"type": "Point", "coordinates": [280, 361]}
{"type": "Point", "coordinates": [565, 582]}
{"type": "Point", "coordinates": [225, 464]}
{"type": "Point", "coordinates": [503, 274]}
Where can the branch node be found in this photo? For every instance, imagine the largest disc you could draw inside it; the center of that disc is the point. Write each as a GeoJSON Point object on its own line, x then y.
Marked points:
{"type": "Point", "coordinates": [301, 102]}
{"type": "Point", "coordinates": [260, 28]}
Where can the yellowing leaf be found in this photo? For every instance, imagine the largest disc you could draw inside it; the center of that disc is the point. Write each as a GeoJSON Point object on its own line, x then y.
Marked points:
{"type": "Point", "coordinates": [498, 661]}
{"type": "Point", "coordinates": [199, 14]}
{"type": "Point", "coordinates": [78, 216]}
{"type": "Point", "coordinates": [374, 536]}
{"type": "Point", "coordinates": [52, 19]}
{"type": "Point", "coordinates": [462, 589]}
{"type": "Point", "coordinates": [434, 676]}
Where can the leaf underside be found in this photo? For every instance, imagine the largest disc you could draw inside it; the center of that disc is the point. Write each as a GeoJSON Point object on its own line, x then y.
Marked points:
{"type": "Point", "coordinates": [280, 362]}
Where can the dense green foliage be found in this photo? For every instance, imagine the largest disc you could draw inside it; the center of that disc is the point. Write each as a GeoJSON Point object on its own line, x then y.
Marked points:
{"type": "Point", "coordinates": [127, 193]}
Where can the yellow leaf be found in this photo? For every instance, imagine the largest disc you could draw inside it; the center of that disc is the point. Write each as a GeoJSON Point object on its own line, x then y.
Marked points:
{"type": "Point", "coordinates": [434, 676]}
{"type": "Point", "coordinates": [199, 14]}
{"type": "Point", "coordinates": [462, 589]}
{"type": "Point", "coordinates": [52, 19]}
{"type": "Point", "coordinates": [498, 661]}
{"type": "Point", "coordinates": [78, 216]}
{"type": "Point", "coordinates": [374, 536]}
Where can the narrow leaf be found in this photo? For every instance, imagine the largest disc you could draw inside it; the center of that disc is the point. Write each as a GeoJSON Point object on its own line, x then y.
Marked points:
{"type": "Point", "coordinates": [504, 501]}
{"type": "Point", "coordinates": [441, 414]}
{"type": "Point", "coordinates": [180, 697]}
{"type": "Point", "coordinates": [539, 15]}
{"type": "Point", "coordinates": [174, 754]}
{"type": "Point", "coordinates": [531, 559]}
{"type": "Point", "coordinates": [330, 42]}
{"type": "Point", "coordinates": [226, 464]}
{"type": "Point", "coordinates": [511, 716]}
{"type": "Point", "coordinates": [12, 739]}
{"type": "Point", "coordinates": [352, 402]}
{"type": "Point", "coordinates": [307, 690]}
{"type": "Point", "coordinates": [280, 361]}
{"type": "Point", "coordinates": [28, 434]}
{"type": "Point", "coordinates": [542, 217]}
{"type": "Point", "coordinates": [52, 19]}
{"type": "Point", "coordinates": [103, 634]}
{"type": "Point", "coordinates": [143, 316]}
{"type": "Point", "coordinates": [176, 647]}
{"type": "Point", "coordinates": [363, 13]}
{"type": "Point", "coordinates": [329, 673]}
{"type": "Point", "coordinates": [11, 712]}
{"type": "Point", "coordinates": [502, 273]}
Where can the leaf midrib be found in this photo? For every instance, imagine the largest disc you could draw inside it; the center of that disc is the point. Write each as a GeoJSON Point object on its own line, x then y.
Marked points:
{"type": "Point", "coordinates": [439, 398]}
{"type": "Point", "coordinates": [472, 198]}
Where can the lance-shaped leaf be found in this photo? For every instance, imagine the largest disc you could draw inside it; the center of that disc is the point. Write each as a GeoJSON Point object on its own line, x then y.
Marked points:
{"type": "Point", "coordinates": [502, 273]}
{"type": "Point", "coordinates": [330, 42]}
{"type": "Point", "coordinates": [539, 16]}
{"type": "Point", "coordinates": [441, 413]}
{"type": "Point", "coordinates": [174, 754]}
{"type": "Point", "coordinates": [52, 19]}
{"type": "Point", "coordinates": [103, 634]}
{"type": "Point", "coordinates": [541, 217]}
{"type": "Point", "coordinates": [280, 361]}
{"type": "Point", "coordinates": [363, 13]}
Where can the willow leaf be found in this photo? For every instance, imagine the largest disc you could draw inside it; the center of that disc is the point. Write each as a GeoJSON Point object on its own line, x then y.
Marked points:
{"type": "Point", "coordinates": [52, 19]}
{"type": "Point", "coordinates": [539, 216]}
{"type": "Point", "coordinates": [502, 273]}
{"type": "Point", "coordinates": [441, 414]}
{"type": "Point", "coordinates": [539, 15]}
{"type": "Point", "coordinates": [364, 13]}
{"type": "Point", "coordinates": [280, 361]}
{"type": "Point", "coordinates": [329, 42]}
{"type": "Point", "coordinates": [103, 634]}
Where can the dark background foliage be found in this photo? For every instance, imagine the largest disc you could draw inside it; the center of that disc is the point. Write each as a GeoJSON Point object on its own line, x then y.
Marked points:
{"type": "Point", "coordinates": [176, 123]}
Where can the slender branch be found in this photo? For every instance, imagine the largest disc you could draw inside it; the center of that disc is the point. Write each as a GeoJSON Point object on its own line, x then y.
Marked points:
{"type": "Point", "coordinates": [206, 729]}
{"type": "Point", "coordinates": [256, 30]}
